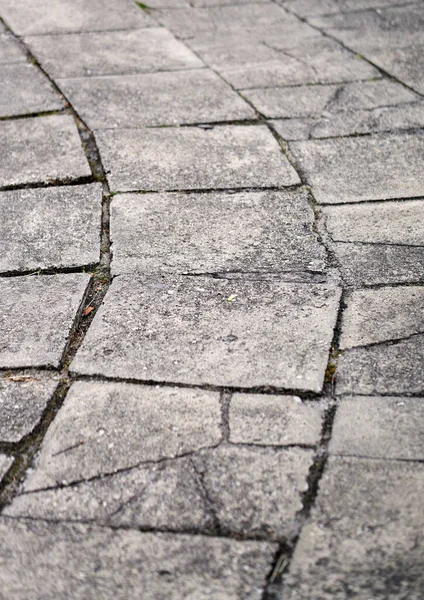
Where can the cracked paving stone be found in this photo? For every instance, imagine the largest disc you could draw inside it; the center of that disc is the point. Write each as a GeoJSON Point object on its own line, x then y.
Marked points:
{"type": "Point", "coordinates": [25, 90]}
{"type": "Point", "coordinates": [111, 52]}
{"type": "Point", "coordinates": [199, 330]}
{"type": "Point", "coordinates": [54, 227]}
{"type": "Point", "coordinates": [43, 149]}
{"type": "Point", "coordinates": [245, 231]}
{"type": "Point", "coordinates": [274, 420]}
{"type": "Point", "coordinates": [377, 167]}
{"type": "Point", "coordinates": [105, 427]}
{"type": "Point", "coordinates": [318, 7]}
{"type": "Point", "coordinates": [36, 317]}
{"type": "Point", "coordinates": [364, 539]}
{"type": "Point", "coordinates": [291, 102]}
{"type": "Point", "coordinates": [35, 17]}
{"type": "Point", "coordinates": [154, 99]}
{"type": "Point", "coordinates": [10, 51]}
{"type": "Point", "coordinates": [5, 464]}
{"type": "Point", "coordinates": [23, 399]}
{"type": "Point", "coordinates": [193, 158]}
{"type": "Point", "coordinates": [389, 428]}
{"type": "Point", "coordinates": [390, 368]}
{"type": "Point", "coordinates": [47, 561]}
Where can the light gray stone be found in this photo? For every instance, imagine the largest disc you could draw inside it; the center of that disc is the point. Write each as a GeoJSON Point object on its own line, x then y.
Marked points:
{"type": "Point", "coordinates": [373, 316]}
{"type": "Point", "coordinates": [377, 222]}
{"type": "Point", "coordinates": [365, 537]}
{"type": "Point", "coordinates": [5, 464]}
{"type": "Point", "coordinates": [42, 149]}
{"type": "Point", "coordinates": [274, 420]}
{"type": "Point", "coordinates": [248, 231]}
{"type": "Point", "coordinates": [23, 399]}
{"type": "Point", "coordinates": [53, 227]}
{"type": "Point", "coordinates": [395, 368]}
{"type": "Point", "coordinates": [199, 330]}
{"type": "Point", "coordinates": [319, 7]}
{"type": "Point", "coordinates": [106, 427]}
{"type": "Point", "coordinates": [302, 101]}
{"type": "Point", "coordinates": [111, 52]}
{"type": "Point", "coordinates": [10, 52]}
{"type": "Point", "coordinates": [36, 317]}
{"type": "Point", "coordinates": [294, 129]}
{"type": "Point", "coordinates": [406, 63]}
{"type": "Point", "coordinates": [378, 167]}
{"type": "Point", "coordinates": [379, 428]}
{"type": "Point", "coordinates": [47, 561]}
{"type": "Point", "coordinates": [155, 99]}
{"type": "Point", "coordinates": [366, 95]}
{"type": "Point", "coordinates": [193, 158]}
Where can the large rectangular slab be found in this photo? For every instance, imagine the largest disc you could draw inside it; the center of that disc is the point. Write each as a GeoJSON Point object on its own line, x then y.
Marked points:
{"type": "Point", "coordinates": [319, 7]}
{"type": "Point", "coordinates": [10, 51]}
{"type": "Point", "coordinates": [193, 158]}
{"type": "Point", "coordinates": [200, 330]}
{"type": "Point", "coordinates": [406, 63]}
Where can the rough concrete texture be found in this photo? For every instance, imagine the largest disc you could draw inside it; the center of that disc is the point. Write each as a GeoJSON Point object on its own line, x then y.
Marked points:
{"type": "Point", "coordinates": [50, 227]}
{"type": "Point", "coordinates": [376, 427]}
{"type": "Point", "coordinates": [365, 536]}
{"type": "Point", "coordinates": [237, 232]}
{"type": "Point", "coordinates": [41, 150]}
{"type": "Point", "coordinates": [306, 8]}
{"type": "Point", "coordinates": [10, 52]}
{"type": "Point", "coordinates": [23, 399]}
{"type": "Point", "coordinates": [5, 464]}
{"type": "Point", "coordinates": [198, 330]}
{"type": "Point", "coordinates": [403, 63]}
{"type": "Point", "coordinates": [37, 316]}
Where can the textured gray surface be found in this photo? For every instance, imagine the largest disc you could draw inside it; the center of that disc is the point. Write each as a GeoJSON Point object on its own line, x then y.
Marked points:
{"type": "Point", "coordinates": [5, 464]}
{"type": "Point", "coordinates": [24, 91]}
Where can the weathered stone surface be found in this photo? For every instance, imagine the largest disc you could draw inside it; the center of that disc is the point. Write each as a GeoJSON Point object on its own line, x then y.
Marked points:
{"type": "Point", "coordinates": [47, 561]}
{"type": "Point", "coordinates": [23, 399]}
{"type": "Point", "coordinates": [200, 330]}
{"type": "Point", "coordinates": [10, 52]}
{"type": "Point", "coordinates": [379, 428]}
{"type": "Point", "coordinates": [37, 314]}
{"type": "Point", "coordinates": [41, 150]}
{"type": "Point", "coordinates": [5, 464]}
{"type": "Point", "coordinates": [105, 427]}
{"type": "Point", "coordinates": [34, 17]}
{"type": "Point", "coordinates": [302, 101]}
{"type": "Point", "coordinates": [50, 227]}
{"type": "Point", "coordinates": [274, 420]}
{"type": "Point", "coordinates": [294, 129]}
{"type": "Point", "coordinates": [383, 369]}
{"type": "Point", "coordinates": [192, 158]}
{"type": "Point", "coordinates": [377, 222]}
{"type": "Point", "coordinates": [377, 167]}
{"type": "Point", "coordinates": [390, 313]}
{"type": "Point", "coordinates": [248, 231]}
{"type": "Point", "coordinates": [111, 52]}
{"type": "Point", "coordinates": [365, 536]}
{"type": "Point", "coordinates": [155, 99]}
{"type": "Point", "coordinates": [319, 7]}
{"type": "Point", "coordinates": [406, 64]}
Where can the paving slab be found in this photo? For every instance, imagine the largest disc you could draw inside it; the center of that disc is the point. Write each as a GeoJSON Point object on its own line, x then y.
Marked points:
{"type": "Point", "coordinates": [373, 427]}
{"type": "Point", "coordinates": [23, 398]}
{"type": "Point", "coordinates": [40, 150]}
{"type": "Point", "coordinates": [406, 63]}
{"type": "Point", "coordinates": [274, 420]}
{"type": "Point", "coordinates": [111, 52]}
{"type": "Point", "coordinates": [294, 129]}
{"type": "Point", "coordinates": [10, 51]}
{"type": "Point", "coordinates": [56, 227]}
{"type": "Point", "coordinates": [193, 159]}
{"type": "Point", "coordinates": [377, 167]}
{"type": "Point", "coordinates": [50, 561]}
{"type": "Point", "coordinates": [37, 315]}
{"type": "Point", "coordinates": [155, 99]}
{"type": "Point", "coordinates": [199, 330]}
{"type": "Point", "coordinates": [5, 464]}
{"type": "Point", "coordinates": [318, 7]}
{"type": "Point", "coordinates": [364, 539]}
{"type": "Point", "coordinates": [240, 232]}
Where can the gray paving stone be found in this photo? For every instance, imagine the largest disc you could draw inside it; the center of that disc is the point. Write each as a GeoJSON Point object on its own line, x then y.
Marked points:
{"type": "Point", "coordinates": [155, 99]}
{"type": "Point", "coordinates": [41, 150]}
{"type": "Point", "coordinates": [379, 428]}
{"type": "Point", "coordinates": [373, 316]}
{"type": "Point", "coordinates": [274, 420]}
{"type": "Point", "coordinates": [23, 399]}
{"type": "Point", "coordinates": [5, 464]}
{"type": "Point", "coordinates": [34, 17]}
{"type": "Point", "coordinates": [47, 561]}
{"type": "Point", "coordinates": [194, 330]}
{"type": "Point", "coordinates": [111, 52]}
{"type": "Point", "coordinates": [53, 227]}
{"type": "Point", "coordinates": [377, 223]}
{"type": "Point", "coordinates": [395, 368]}
{"type": "Point", "coordinates": [370, 94]}
{"type": "Point", "coordinates": [406, 64]}
{"type": "Point", "coordinates": [319, 7]}
{"type": "Point", "coordinates": [364, 539]}
{"type": "Point", "coordinates": [192, 158]}
{"type": "Point", "coordinates": [10, 52]}
{"type": "Point", "coordinates": [106, 427]}
{"type": "Point", "coordinates": [378, 167]}
{"type": "Point", "coordinates": [303, 101]}
{"type": "Point", "coordinates": [294, 129]}
{"type": "Point", "coordinates": [248, 231]}
{"type": "Point", "coordinates": [36, 316]}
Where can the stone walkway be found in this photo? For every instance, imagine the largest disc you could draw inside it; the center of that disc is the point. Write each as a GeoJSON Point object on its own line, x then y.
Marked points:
{"type": "Point", "coordinates": [211, 300]}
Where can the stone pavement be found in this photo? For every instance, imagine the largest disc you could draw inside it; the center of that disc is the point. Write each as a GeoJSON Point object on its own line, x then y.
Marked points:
{"type": "Point", "coordinates": [212, 300]}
